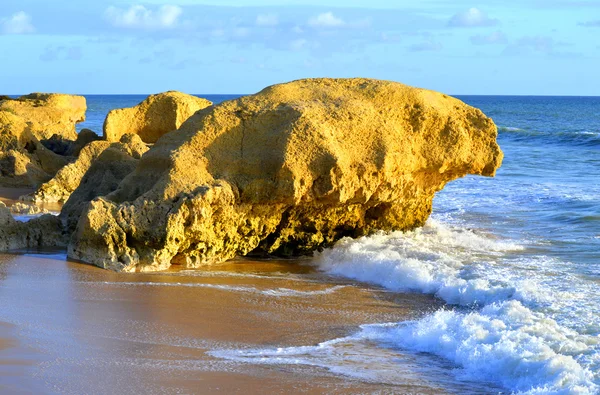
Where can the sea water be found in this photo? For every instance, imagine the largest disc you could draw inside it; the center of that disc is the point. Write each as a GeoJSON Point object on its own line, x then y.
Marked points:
{"type": "Point", "coordinates": [515, 258]}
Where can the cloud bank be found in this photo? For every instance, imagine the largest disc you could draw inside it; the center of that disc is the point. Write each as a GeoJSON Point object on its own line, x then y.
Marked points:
{"type": "Point", "coordinates": [472, 17]}
{"type": "Point", "coordinates": [18, 23]}
{"type": "Point", "coordinates": [140, 17]}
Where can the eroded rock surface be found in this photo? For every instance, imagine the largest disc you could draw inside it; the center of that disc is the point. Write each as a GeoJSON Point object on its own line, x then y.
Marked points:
{"type": "Point", "coordinates": [70, 177]}
{"type": "Point", "coordinates": [47, 114]}
{"type": "Point", "coordinates": [154, 117]}
{"type": "Point", "coordinates": [103, 175]}
{"type": "Point", "coordinates": [24, 122]}
{"type": "Point", "coordinates": [43, 231]}
{"type": "Point", "coordinates": [287, 171]}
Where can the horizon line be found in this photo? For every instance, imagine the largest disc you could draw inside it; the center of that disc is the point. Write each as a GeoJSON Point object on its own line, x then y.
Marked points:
{"type": "Point", "coordinates": [247, 94]}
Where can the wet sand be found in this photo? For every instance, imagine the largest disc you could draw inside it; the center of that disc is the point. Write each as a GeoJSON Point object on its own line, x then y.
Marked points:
{"type": "Point", "coordinates": [73, 328]}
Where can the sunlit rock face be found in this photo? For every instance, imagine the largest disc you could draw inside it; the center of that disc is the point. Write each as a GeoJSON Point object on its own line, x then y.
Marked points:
{"type": "Point", "coordinates": [155, 116]}
{"type": "Point", "coordinates": [27, 120]}
{"type": "Point", "coordinates": [287, 171]}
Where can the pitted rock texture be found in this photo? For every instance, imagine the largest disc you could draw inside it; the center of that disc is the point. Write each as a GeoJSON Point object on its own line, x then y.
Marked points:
{"type": "Point", "coordinates": [47, 114]}
{"type": "Point", "coordinates": [287, 171]}
{"type": "Point", "coordinates": [43, 231]}
{"type": "Point", "coordinates": [157, 115]}
{"type": "Point", "coordinates": [24, 123]}
{"type": "Point", "coordinates": [69, 178]}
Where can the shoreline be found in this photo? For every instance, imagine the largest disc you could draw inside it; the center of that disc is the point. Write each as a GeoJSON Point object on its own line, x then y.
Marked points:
{"type": "Point", "coordinates": [84, 323]}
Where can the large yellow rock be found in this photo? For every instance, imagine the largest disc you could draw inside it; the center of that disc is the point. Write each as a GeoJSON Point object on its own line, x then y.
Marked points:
{"type": "Point", "coordinates": [47, 114]}
{"type": "Point", "coordinates": [287, 171]}
{"type": "Point", "coordinates": [152, 118]}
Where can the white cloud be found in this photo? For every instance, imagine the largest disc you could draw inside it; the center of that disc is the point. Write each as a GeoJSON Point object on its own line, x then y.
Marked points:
{"type": "Point", "coordinates": [138, 16]}
{"type": "Point", "coordinates": [267, 20]}
{"type": "Point", "coordinates": [326, 19]}
{"type": "Point", "coordinates": [494, 38]}
{"type": "Point", "coordinates": [472, 17]}
{"type": "Point", "coordinates": [18, 23]}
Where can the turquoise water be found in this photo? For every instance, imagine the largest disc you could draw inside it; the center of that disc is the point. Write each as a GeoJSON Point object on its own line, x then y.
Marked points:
{"type": "Point", "coordinates": [516, 258]}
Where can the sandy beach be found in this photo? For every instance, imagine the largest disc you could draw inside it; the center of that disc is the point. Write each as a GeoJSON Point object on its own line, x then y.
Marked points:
{"type": "Point", "coordinates": [73, 328]}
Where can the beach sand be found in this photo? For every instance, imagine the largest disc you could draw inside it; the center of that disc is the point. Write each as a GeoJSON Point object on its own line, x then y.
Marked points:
{"type": "Point", "coordinates": [74, 328]}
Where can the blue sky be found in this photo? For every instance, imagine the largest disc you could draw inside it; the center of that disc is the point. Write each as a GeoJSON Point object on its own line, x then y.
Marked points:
{"type": "Point", "coordinates": [545, 47]}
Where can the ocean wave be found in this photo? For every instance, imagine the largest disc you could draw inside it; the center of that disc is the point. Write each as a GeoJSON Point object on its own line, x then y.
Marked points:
{"type": "Point", "coordinates": [569, 137]}
{"type": "Point", "coordinates": [505, 342]}
{"type": "Point", "coordinates": [506, 329]}
{"type": "Point", "coordinates": [430, 260]}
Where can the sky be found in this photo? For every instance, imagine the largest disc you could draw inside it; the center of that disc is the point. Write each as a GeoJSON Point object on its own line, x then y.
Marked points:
{"type": "Point", "coordinates": [504, 47]}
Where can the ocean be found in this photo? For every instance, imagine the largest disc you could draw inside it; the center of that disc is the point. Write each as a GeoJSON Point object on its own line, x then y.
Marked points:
{"type": "Point", "coordinates": [498, 293]}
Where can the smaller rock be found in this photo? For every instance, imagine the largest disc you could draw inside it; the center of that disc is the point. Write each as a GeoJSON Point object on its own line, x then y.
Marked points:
{"type": "Point", "coordinates": [104, 175]}
{"type": "Point", "coordinates": [58, 144]}
{"type": "Point", "coordinates": [44, 231]}
{"type": "Point", "coordinates": [157, 115]}
{"type": "Point", "coordinates": [69, 178]}
{"type": "Point", "coordinates": [84, 137]}
{"type": "Point", "coordinates": [21, 169]}
{"type": "Point", "coordinates": [21, 208]}
{"type": "Point", "coordinates": [48, 113]}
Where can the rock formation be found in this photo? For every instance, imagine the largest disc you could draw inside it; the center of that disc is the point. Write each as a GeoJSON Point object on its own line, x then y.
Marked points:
{"type": "Point", "coordinates": [61, 146]}
{"type": "Point", "coordinates": [152, 118]}
{"type": "Point", "coordinates": [103, 174]}
{"type": "Point", "coordinates": [47, 114]}
{"type": "Point", "coordinates": [26, 122]}
{"type": "Point", "coordinates": [68, 178]}
{"type": "Point", "coordinates": [286, 171]}
{"type": "Point", "coordinates": [44, 231]}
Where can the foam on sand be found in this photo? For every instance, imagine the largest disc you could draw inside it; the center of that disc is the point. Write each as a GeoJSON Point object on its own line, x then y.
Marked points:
{"type": "Point", "coordinates": [512, 326]}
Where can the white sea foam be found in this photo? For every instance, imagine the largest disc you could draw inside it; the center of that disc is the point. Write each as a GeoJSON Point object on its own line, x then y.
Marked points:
{"type": "Point", "coordinates": [505, 342]}
{"type": "Point", "coordinates": [510, 128]}
{"type": "Point", "coordinates": [277, 292]}
{"type": "Point", "coordinates": [512, 339]}
{"type": "Point", "coordinates": [429, 260]}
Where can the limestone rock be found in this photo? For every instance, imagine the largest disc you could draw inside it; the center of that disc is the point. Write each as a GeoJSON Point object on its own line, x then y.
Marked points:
{"type": "Point", "coordinates": [103, 175]}
{"type": "Point", "coordinates": [21, 208]}
{"type": "Point", "coordinates": [44, 231]}
{"type": "Point", "coordinates": [47, 114]}
{"type": "Point", "coordinates": [60, 188]}
{"type": "Point", "coordinates": [287, 171]}
{"type": "Point", "coordinates": [64, 147]}
{"type": "Point", "coordinates": [21, 169]}
{"type": "Point", "coordinates": [14, 132]}
{"type": "Point", "coordinates": [152, 118]}
{"type": "Point", "coordinates": [84, 137]}
{"type": "Point", "coordinates": [27, 121]}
